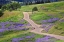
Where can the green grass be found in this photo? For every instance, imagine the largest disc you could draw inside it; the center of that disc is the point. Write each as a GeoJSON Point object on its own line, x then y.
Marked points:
{"type": "Point", "coordinates": [47, 10]}
{"type": "Point", "coordinates": [54, 9]}
{"type": "Point", "coordinates": [11, 16]}
{"type": "Point", "coordinates": [58, 29]}
{"type": "Point", "coordinates": [39, 16]}
{"type": "Point", "coordinates": [29, 34]}
{"type": "Point", "coordinates": [59, 41]}
{"type": "Point", "coordinates": [49, 6]}
{"type": "Point", "coordinates": [28, 8]}
{"type": "Point", "coordinates": [18, 34]}
{"type": "Point", "coordinates": [9, 37]}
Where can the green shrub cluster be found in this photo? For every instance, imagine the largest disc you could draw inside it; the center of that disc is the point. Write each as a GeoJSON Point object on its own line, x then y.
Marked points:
{"type": "Point", "coordinates": [35, 9]}
{"type": "Point", "coordinates": [11, 6]}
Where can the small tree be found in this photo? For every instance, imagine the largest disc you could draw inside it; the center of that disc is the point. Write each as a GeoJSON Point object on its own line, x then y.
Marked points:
{"type": "Point", "coordinates": [1, 13]}
{"type": "Point", "coordinates": [34, 9]}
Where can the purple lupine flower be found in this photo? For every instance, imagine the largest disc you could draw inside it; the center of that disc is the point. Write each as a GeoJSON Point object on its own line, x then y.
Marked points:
{"type": "Point", "coordinates": [16, 26]}
{"type": "Point", "coordinates": [38, 40]}
{"type": "Point", "coordinates": [2, 30]}
{"type": "Point", "coordinates": [46, 27]}
{"type": "Point", "coordinates": [55, 19]}
{"type": "Point", "coordinates": [32, 36]}
{"type": "Point", "coordinates": [28, 37]}
{"type": "Point", "coordinates": [45, 39]}
{"type": "Point", "coordinates": [50, 20]}
{"type": "Point", "coordinates": [20, 39]}
{"type": "Point", "coordinates": [15, 40]}
{"type": "Point", "coordinates": [44, 21]}
{"type": "Point", "coordinates": [62, 20]}
{"type": "Point", "coordinates": [23, 38]}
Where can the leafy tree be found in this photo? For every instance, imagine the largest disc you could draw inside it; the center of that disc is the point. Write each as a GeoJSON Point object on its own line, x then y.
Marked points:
{"type": "Point", "coordinates": [35, 9]}
{"type": "Point", "coordinates": [3, 7]}
{"type": "Point", "coordinates": [11, 6]}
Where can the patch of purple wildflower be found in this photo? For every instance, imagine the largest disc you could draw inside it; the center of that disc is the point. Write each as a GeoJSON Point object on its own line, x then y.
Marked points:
{"type": "Point", "coordinates": [7, 26]}
{"type": "Point", "coordinates": [51, 20]}
{"type": "Point", "coordinates": [62, 20]}
{"type": "Point", "coordinates": [45, 39]}
{"type": "Point", "coordinates": [22, 38]}
{"type": "Point", "coordinates": [46, 27]}
{"type": "Point", "coordinates": [31, 38]}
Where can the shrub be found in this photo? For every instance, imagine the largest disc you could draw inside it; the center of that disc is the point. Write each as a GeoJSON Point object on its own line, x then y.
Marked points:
{"type": "Point", "coordinates": [35, 9]}
{"type": "Point", "coordinates": [1, 13]}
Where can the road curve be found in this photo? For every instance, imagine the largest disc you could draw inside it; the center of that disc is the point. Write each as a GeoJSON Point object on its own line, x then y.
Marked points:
{"type": "Point", "coordinates": [37, 27]}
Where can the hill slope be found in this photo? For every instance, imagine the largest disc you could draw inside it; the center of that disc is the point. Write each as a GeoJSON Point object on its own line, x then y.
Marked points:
{"type": "Point", "coordinates": [46, 12]}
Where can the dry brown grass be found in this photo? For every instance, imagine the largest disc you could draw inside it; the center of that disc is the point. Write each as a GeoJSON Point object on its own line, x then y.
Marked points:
{"type": "Point", "coordinates": [9, 14]}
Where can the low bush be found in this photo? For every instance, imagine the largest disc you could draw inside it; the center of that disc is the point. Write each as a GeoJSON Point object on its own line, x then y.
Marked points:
{"type": "Point", "coordinates": [35, 9]}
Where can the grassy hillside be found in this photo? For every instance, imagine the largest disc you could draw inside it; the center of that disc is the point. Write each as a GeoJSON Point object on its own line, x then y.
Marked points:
{"type": "Point", "coordinates": [48, 11]}
{"type": "Point", "coordinates": [57, 29]}
{"type": "Point", "coordinates": [45, 11]}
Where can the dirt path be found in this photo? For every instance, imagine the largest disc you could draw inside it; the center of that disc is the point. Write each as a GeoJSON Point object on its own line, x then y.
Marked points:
{"type": "Point", "coordinates": [37, 27]}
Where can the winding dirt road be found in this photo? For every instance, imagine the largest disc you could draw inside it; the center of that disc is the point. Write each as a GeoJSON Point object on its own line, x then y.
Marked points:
{"type": "Point", "coordinates": [37, 27]}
